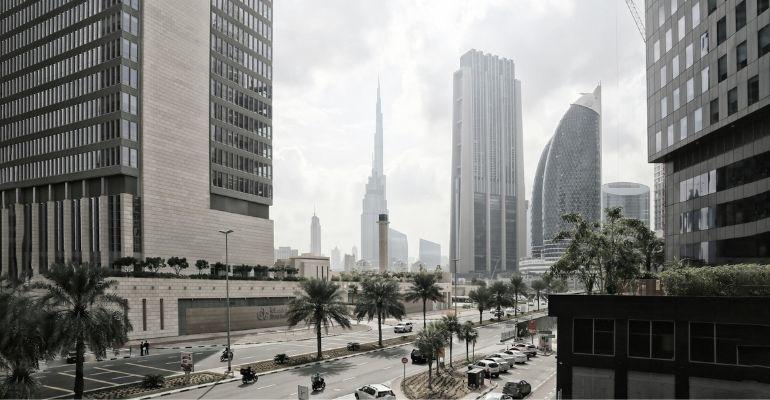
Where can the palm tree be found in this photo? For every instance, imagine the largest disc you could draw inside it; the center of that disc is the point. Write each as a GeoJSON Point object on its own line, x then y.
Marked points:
{"type": "Point", "coordinates": [538, 286]}
{"type": "Point", "coordinates": [500, 297]}
{"type": "Point", "coordinates": [467, 332]}
{"type": "Point", "coordinates": [517, 287]}
{"type": "Point", "coordinates": [320, 303]}
{"type": "Point", "coordinates": [451, 326]}
{"type": "Point", "coordinates": [483, 299]}
{"type": "Point", "coordinates": [429, 341]}
{"type": "Point", "coordinates": [85, 314]}
{"type": "Point", "coordinates": [380, 299]}
{"type": "Point", "coordinates": [423, 288]}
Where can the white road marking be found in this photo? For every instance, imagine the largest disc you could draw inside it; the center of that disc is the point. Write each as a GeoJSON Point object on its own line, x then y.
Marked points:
{"type": "Point", "coordinates": [388, 367]}
{"type": "Point", "coordinates": [116, 372]}
{"type": "Point", "coordinates": [90, 379]}
{"type": "Point", "coordinates": [59, 389]}
{"type": "Point", "coordinates": [347, 379]}
{"type": "Point", "coordinates": [122, 377]}
{"type": "Point", "coordinates": [363, 363]}
{"type": "Point", "coordinates": [172, 362]}
{"type": "Point", "coordinates": [264, 387]}
{"type": "Point", "coordinates": [147, 366]}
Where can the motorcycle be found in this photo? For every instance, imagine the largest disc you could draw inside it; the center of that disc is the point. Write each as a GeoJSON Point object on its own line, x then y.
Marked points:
{"type": "Point", "coordinates": [318, 383]}
{"type": "Point", "coordinates": [248, 376]}
{"type": "Point", "coordinates": [225, 355]}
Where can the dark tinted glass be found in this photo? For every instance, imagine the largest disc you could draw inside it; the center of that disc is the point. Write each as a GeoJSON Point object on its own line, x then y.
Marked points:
{"type": "Point", "coordinates": [604, 336]}
{"type": "Point", "coordinates": [764, 40]}
{"type": "Point", "coordinates": [762, 5]}
{"type": "Point", "coordinates": [663, 339]}
{"type": "Point", "coordinates": [732, 101]}
{"type": "Point", "coordinates": [712, 5]}
{"type": "Point", "coordinates": [639, 338]}
{"type": "Point", "coordinates": [702, 342]}
{"type": "Point", "coordinates": [753, 89]}
{"type": "Point", "coordinates": [740, 15]}
{"type": "Point", "coordinates": [741, 55]}
{"type": "Point", "coordinates": [721, 30]}
{"type": "Point", "coordinates": [714, 111]}
{"type": "Point", "coordinates": [583, 336]}
{"type": "Point", "coordinates": [722, 68]}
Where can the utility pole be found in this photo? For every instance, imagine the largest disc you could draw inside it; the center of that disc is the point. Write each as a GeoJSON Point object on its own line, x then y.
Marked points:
{"type": "Point", "coordinates": [227, 294]}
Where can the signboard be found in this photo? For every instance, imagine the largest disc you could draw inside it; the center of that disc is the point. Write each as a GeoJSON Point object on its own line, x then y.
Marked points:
{"type": "Point", "coordinates": [303, 393]}
{"type": "Point", "coordinates": [509, 334]}
{"type": "Point", "coordinates": [187, 361]}
{"type": "Point", "coordinates": [532, 326]}
{"type": "Point", "coordinates": [404, 360]}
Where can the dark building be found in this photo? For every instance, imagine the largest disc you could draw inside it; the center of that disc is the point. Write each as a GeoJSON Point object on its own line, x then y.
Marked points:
{"type": "Point", "coordinates": [662, 346]}
{"type": "Point", "coordinates": [708, 92]}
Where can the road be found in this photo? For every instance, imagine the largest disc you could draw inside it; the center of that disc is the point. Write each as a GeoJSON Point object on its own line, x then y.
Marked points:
{"type": "Point", "coordinates": [57, 378]}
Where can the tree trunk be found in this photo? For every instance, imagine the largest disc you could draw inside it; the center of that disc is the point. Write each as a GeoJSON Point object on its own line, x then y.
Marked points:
{"type": "Point", "coordinates": [450, 349]}
{"type": "Point", "coordinates": [80, 350]}
{"type": "Point", "coordinates": [318, 339]}
{"type": "Point", "coordinates": [379, 326]}
{"type": "Point", "coordinates": [474, 350]}
{"type": "Point", "coordinates": [538, 301]}
{"type": "Point", "coordinates": [430, 374]}
{"type": "Point", "coordinates": [423, 313]}
{"type": "Point", "coordinates": [515, 304]}
{"type": "Point", "coordinates": [466, 351]}
{"type": "Point", "coordinates": [481, 317]}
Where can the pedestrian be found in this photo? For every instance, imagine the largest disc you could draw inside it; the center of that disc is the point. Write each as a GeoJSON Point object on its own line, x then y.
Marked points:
{"type": "Point", "coordinates": [141, 348]}
{"type": "Point", "coordinates": [146, 348]}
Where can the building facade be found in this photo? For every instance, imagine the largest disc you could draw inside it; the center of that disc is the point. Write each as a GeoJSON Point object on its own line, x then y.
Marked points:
{"type": "Point", "coordinates": [708, 92]}
{"type": "Point", "coordinates": [284, 252]}
{"type": "Point", "coordinates": [430, 253]}
{"type": "Point", "coordinates": [336, 259]}
{"type": "Point", "coordinates": [97, 97]}
{"type": "Point", "coordinates": [398, 247]}
{"type": "Point", "coordinates": [536, 219]}
{"type": "Point", "coordinates": [315, 236]}
{"type": "Point", "coordinates": [374, 202]}
{"type": "Point", "coordinates": [487, 231]}
{"type": "Point", "coordinates": [660, 199]}
{"type": "Point", "coordinates": [632, 198]}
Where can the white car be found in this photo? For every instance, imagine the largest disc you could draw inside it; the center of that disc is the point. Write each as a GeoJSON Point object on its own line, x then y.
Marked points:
{"type": "Point", "coordinates": [375, 392]}
{"type": "Point", "coordinates": [403, 327]}
{"type": "Point", "coordinates": [508, 358]}
{"type": "Point", "coordinates": [518, 356]}
{"type": "Point", "coordinates": [490, 367]}
{"type": "Point", "coordinates": [501, 362]}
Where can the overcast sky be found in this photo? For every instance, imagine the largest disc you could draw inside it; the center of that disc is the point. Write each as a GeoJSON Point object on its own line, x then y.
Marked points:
{"type": "Point", "coordinates": [328, 54]}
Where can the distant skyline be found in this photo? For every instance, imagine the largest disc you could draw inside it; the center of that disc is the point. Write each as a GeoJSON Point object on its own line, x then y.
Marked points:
{"type": "Point", "coordinates": [324, 99]}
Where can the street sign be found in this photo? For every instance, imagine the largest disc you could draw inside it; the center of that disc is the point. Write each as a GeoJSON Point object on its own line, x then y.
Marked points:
{"type": "Point", "coordinates": [404, 360]}
{"type": "Point", "coordinates": [303, 393]}
{"type": "Point", "coordinates": [187, 362]}
{"type": "Point", "coordinates": [532, 326]}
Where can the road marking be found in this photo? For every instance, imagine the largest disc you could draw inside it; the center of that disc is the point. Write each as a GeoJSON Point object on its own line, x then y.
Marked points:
{"type": "Point", "coordinates": [147, 366]}
{"type": "Point", "coordinates": [101, 373]}
{"type": "Point", "coordinates": [388, 367]}
{"type": "Point", "coordinates": [122, 377]}
{"type": "Point", "coordinates": [363, 363]}
{"type": "Point", "coordinates": [90, 379]}
{"type": "Point", "coordinates": [172, 362]}
{"type": "Point", "coordinates": [347, 379]}
{"type": "Point", "coordinates": [59, 389]}
{"type": "Point", "coordinates": [264, 387]}
{"type": "Point", "coordinates": [116, 372]}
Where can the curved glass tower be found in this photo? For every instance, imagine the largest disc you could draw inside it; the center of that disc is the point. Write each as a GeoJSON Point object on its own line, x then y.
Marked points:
{"type": "Point", "coordinates": [572, 172]}
{"type": "Point", "coordinates": [537, 204]}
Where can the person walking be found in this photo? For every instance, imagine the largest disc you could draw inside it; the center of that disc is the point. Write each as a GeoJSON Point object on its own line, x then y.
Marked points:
{"type": "Point", "coordinates": [141, 348]}
{"type": "Point", "coordinates": [146, 348]}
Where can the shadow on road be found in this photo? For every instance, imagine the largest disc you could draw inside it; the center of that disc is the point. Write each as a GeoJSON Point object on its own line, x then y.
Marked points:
{"type": "Point", "coordinates": [331, 368]}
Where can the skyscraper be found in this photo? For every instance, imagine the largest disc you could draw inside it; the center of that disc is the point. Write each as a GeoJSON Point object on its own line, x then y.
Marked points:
{"type": "Point", "coordinates": [707, 107]}
{"type": "Point", "coordinates": [632, 198]}
{"type": "Point", "coordinates": [568, 176]}
{"type": "Point", "coordinates": [315, 236]}
{"type": "Point", "coordinates": [336, 259]}
{"type": "Point", "coordinates": [374, 202]}
{"type": "Point", "coordinates": [124, 134]}
{"type": "Point", "coordinates": [430, 253]}
{"type": "Point", "coordinates": [660, 198]}
{"type": "Point", "coordinates": [398, 247]}
{"type": "Point", "coordinates": [487, 214]}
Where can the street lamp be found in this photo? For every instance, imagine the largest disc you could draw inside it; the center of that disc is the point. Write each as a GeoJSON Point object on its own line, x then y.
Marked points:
{"type": "Point", "coordinates": [454, 285]}
{"type": "Point", "coordinates": [227, 293]}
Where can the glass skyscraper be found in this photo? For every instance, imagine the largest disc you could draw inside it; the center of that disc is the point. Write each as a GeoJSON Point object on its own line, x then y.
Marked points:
{"type": "Point", "coordinates": [632, 198]}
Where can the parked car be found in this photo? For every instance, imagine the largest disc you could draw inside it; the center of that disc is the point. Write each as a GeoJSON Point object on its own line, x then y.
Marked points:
{"type": "Point", "coordinates": [517, 390]}
{"type": "Point", "coordinates": [417, 357]}
{"type": "Point", "coordinates": [529, 349]}
{"type": "Point", "coordinates": [509, 358]}
{"type": "Point", "coordinates": [72, 357]}
{"type": "Point", "coordinates": [490, 367]}
{"type": "Point", "coordinates": [497, 396]}
{"type": "Point", "coordinates": [519, 357]}
{"type": "Point", "coordinates": [403, 327]}
{"type": "Point", "coordinates": [375, 392]}
{"type": "Point", "coordinates": [502, 364]}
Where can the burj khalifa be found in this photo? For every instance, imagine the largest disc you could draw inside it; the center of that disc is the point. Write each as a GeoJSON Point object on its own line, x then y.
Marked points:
{"type": "Point", "coordinates": [374, 202]}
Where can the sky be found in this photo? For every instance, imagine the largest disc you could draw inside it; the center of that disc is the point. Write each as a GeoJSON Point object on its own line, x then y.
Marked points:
{"type": "Point", "coordinates": [327, 59]}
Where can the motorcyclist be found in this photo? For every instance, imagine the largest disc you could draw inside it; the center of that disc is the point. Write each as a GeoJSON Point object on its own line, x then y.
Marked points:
{"type": "Point", "coordinates": [317, 380]}
{"type": "Point", "coordinates": [227, 353]}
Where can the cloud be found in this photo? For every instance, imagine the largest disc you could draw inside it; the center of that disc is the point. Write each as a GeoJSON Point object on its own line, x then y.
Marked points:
{"type": "Point", "coordinates": [329, 54]}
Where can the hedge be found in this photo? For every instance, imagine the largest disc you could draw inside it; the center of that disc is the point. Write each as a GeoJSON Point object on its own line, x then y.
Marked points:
{"type": "Point", "coordinates": [723, 280]}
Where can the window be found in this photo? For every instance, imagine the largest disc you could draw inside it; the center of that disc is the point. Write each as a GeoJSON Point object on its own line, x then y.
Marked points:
{"type": "Point", "coordinates": [690, 89]}
{"type": "Point", "coordinates": [714, 111]}
{"type": "Point", "coordinates": [721, 30]}
{"type": "Point", "coordinates": [740, 15]}
{"type": "Point", "coordinates": [704, 80]}
{"type": "Point", "coordinates": [732, 101]}
{"type": "Point", "coordinates": [604, 336]}
{"type": "Point", "coordinates": [680, 28]}
{"type": "Point", "coordinates": [688, 56]}
{"type": "Point", "coordinates": [161, 315]}
{"type": "Point", "coordinates": [722, 68]}
{"type": "Point", "coordinates": [582, 333]}
{"type": "Point", "coordinates": [675, 66]}
{"type": "Point", "coordinates": [683, 128]}
{"type": "Point", "coordinates": [762, 5]}
{"type": "Point", "coordinates": [704, 44]}
{"type": "Point", "coordinates": [741, 55]}
{"type": "Point", "coordinates": [695, 14]}
{"type": "Point", "coordinates": [658, 144]}
{"type": "Point", "coordinates": [701, 342]}
{"type": "Point", "coordinates": [675, 99]}
{"type": "Point", "coordinates": [656, 50]}
{"type": "Point", "coordinates": [670, 135]}
{"type": "Point", "coordinates": [712, 6]}
{"type": "Point", "coordinates": [668, 40]}
{"type": "Point", "coordinates": [651, 339]}
{"type": "Point", "coordinates": [639, 339]}
{"type": "Point", "coordinates": [673, 6]}
{"type": "Point", "coordinates": [764, 40]}
{"type": "Point", "coordinates": [661, 15]}
{"type": "Point", "coordinates": [663, 76]}
{"type": "Point", "coordinates": [753, 89]}
{"type": "Point", "coordinates": [698, 120]}
{"type": "Point", "coordinates": [663, 106]}
{"type": "Point", "coordinates": [144, 314]}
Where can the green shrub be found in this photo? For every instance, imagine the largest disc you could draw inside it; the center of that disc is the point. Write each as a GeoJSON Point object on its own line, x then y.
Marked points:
{"type": "Point", "coordinates": [723, 280]}
{"type": "Point", "coordinates": [281, 358]}
{"type": "Point", "coordinates": [152, 381]}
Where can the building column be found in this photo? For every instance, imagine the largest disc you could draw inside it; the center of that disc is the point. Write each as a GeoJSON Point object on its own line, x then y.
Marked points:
{"type": "Point", "coordinates": [126, 225]}
{"type": "Point", "coordinates": [85, 225]}
{"type": "Point", "coordinates": [51, 233]}
{"type": "Point", "coordinates": [20, 228]}
{"type": "Point", "coordinates": [6, 239]}
{"type": "Point", "coordinates": [67, 218]}
{"type": "Point", "coordinates": [35, 226]}
{"type": "Point", "coordinates": [104, 231]}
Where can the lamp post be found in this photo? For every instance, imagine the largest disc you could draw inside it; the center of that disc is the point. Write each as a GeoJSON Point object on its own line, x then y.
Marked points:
{"type": "Point", "coordinates": [454, 285]}
{"type": "Point", "coordinates": [227, 294]}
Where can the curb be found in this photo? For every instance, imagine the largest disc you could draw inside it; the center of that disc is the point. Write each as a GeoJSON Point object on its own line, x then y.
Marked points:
{"type": "Point", "coordinates": [484, 393]}
{"type": "Point", "coordinates": [202, 385]}
{"type": "Point", "coordinates": [247, 343]}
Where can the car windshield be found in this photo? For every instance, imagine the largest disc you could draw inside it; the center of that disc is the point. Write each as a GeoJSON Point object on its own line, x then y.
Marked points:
{"type": "Point", "coordinates": [493, 365]}
{"type": "Point", "coordinates": [385, 393]}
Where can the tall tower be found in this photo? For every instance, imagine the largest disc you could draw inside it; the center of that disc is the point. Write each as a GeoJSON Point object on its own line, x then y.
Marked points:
{"type": "Point", "coordinates": [315, 236]}
{"type": "Point", "coordinates": [374, 202]}
{"type": "Point", "coordinates": [488, 232]}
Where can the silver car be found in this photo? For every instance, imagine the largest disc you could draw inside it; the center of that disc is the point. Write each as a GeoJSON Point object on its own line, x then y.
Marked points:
{"type": "Point", "coordinates": [501, 362]}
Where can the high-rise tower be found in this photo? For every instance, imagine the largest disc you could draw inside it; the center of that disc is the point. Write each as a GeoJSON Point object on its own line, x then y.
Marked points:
{"type": "Point", "coordinates": [315, 236]}
{"type": "Point", "coordinates": [488, 219]}
{"type": "Point", "coordinates": [374, 202]}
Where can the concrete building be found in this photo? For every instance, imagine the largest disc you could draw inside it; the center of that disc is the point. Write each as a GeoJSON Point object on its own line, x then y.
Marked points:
{"type": "Point", "coordinates": [354, 253]}
{"type": "Point", "coordinates": [430, 253]}
{"type": "Point", "coordinates": [487, 216]}
{"type": "Point", "coordinates": [398, 247]}
{"type": "Point", "coordinates": [124, 134]}
{"type": "Point", "coordinates": [349, 262]}
{"type": "Point", "coordinates": [632, 198]}
{"type": "Point", "coordinates": [284, 252]}
{"type": "Point", "coordinates": [336, 259]}
{"type": "Point", "coordinates": [315, 236]}
{"type": "Point", "coordinates": [374, 202]}
{"type": "Point", "coordinates": [528, 206]}
{"type": "Point", "coordinates": [310, 266]}
{"type": "Point", "coordinates": [384, 236]}
{"type": "Point", "coordinates": [660, 199]}
{"type": "Point", "coordinates": [708, 92]}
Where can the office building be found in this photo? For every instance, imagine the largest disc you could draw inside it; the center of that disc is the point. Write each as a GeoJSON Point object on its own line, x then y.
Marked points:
{"type": "Point", "coordinates": [430, 253]}
{"type": "Point", "coordinates": [285, 252]}
{"type": "Point", "coordinates": [632, 198]}
{"type": "Point", "coordinates": [336, 259]}
{"type": "Point", "coordinates": [528, 207]}
{"type": "Point", "coordinates": [708, 80]}
{"type": "Point", "coordinates": [660, 198]}
{"type": "Point", "coordinates": [315, 236]}
{"type": "Point", "coordinates": [374, 202]}
{"type": "Point", "coordinates": [349, 262]}
{"type": "Point", "coordinates": [354, 253]}
{"type": "Point", "coordinates": [536, 222]}
{"type": "Point", "coordinates": [487, 232]}
{"type": "Point", "coordinates": [398, 247]}
{"type": "Point", "coordinates": [135, 128]}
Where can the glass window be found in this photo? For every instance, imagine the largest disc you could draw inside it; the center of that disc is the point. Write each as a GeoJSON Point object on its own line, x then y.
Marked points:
{"type": "Point", "coordinates": [134, 78]}
{"type": "Point", "coordinates": [663, 106]}
{"type": "Point", "coordinates": [668, 40]}
{"type": "Point", "coordinates": [604, 336]}
{"type": "Point", "coordinates": [661, 15]}
{"type": "Point", "coordinates": [676, 99]}
{"type": "Point", "coordinates": [134, 160]}
{"type": "Point", "coordinates": [675, 66]}
{"type": "Point", "coordinates": [662, 345]}
{"type": "Point", "coordinates": [639, 338]}
{"type": "Point", "coordinates": [721, 30]}
{"type": "Point", "coordinates": [714, 111]}
{"type": "Point", "coordinates": [732, 101]}
{"type": "Point", "coordinates": [683, 128]}
{"type": "Point", "coordinates": [764, 40]}
{"type": "Point", "coordinates": [698, 120]}
{"type": "Point", "coordinates": [741, 55]}
{"type": "Point", "coordinates": [704, 80]}
{"type": "Point", "coordinates": [656, 50]}
{"type": "Point", "coordinates": [688, 56]}
{"type": "Point", "coordinates": [134, 52]}
{"type": "Point", "coordinates": [695, 14]}
{"type": "Point", "coordinates": [133, 105]}
{"type": "Point", "coordinates": [762, 5]}
{"type": "Point", "coordinates": [690, 89]}
{"type": "Point", "coordinates": [133, 131]}
{"type": "Point", "coordinates": [670, 135]}
{"type": "Point", "coordinates": [658, 140]}
{"type": "Point", "coordinates": [740, 15]}
{"type": "Point", "coordinates": [753, 89]}
{"type": "Point", "coordinates": [124, 129]}
{"type": "Point", "coordinates": [702, 342]}
{"type": "Point", "coordinates": [582, 334]}
{"type": "Point", "coordinates": [673, 6]}
{"type": "Point", "coordinates": [712, 6]}
{"type": "Point", "coordinates": [663, 76]}
{"type": "Point", "coordinates": [722, 68]}
{"type": "Point", "coordinates": [124, 75]}
{"type": "Point", "coordinates": [680, 28]}
{"type": "Point", "coordinates": [124, 102]}
{"type": "Point", "coordinates": [125, 159]}
{"type": "Point", "coordinates": [704, 44]}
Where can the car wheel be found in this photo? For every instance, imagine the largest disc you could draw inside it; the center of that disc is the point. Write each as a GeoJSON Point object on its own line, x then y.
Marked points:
{"type": "Point", "coordinates": [356, 395]}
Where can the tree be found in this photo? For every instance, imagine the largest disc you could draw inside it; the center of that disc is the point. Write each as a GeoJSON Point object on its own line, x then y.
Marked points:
{"type": "Point", "coordinates": [154, 263]}
{"type": "Point", "coordinates": [538, 286]}
{"type": "Point", "coordinates": [424, 288]}
{"type": "Point", "coordinates": [260, 271]}
{"type": "Point", "coordinates": [217, 267]}
{"type": "Point", "coordinates": [352, 293]}
{"type": "Point", "coordinates": [649, 246]}
{"type": "Point", "coordinates": [467, 333]}
{"type": "Point", "coordinates": [85, 314]}
{"type": "Point", "coordinates": [125, 262]}
{"type": "Point", "coordinates": [500, 297]}
{"type": "Point", "coordinates": [483, 299]}
{"type": "Point", "coordinates": [429, 340]}
{"type": "Point", "coordinates": [619, 257]}
{"type": "Point", "coordinates": [177, 264]}
{"type": "Point", "coordinates": [201, 265]}
{"type": "Point", "coordinates": [319, 304]}
{"type": "Point", "coordinates": [581, 258]}
{"type": "Point", "coordinates": [242, 270]}
{"type": "Point", "coordinates": [380, 299]}
{"type": "Point", "coordinates": [451, 325]}
{"type": "Point", "coordinates": [518, 286]}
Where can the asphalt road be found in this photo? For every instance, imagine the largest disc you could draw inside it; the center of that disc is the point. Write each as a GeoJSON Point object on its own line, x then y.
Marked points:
{"type": "Point", "coordinates": [57, 378]}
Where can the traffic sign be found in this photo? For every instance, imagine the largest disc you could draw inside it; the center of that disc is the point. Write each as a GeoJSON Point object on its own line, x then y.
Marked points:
{"type": "Point", "coordinates": [532, 326]}
{"type": "Point", "coordinates": [302, 392]}
{"type": "Point", "coordinates": [404, 360]}
{"type": "Point", "coordinates": [186, 361]}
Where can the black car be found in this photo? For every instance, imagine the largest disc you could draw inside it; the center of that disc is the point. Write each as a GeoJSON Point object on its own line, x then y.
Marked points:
{"type": "Point", "coordinates": [417, 357]}
{"type": "Point", "coordinates": [517, 390]}
{"type": "Point", "coordinates": [72, 357]}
